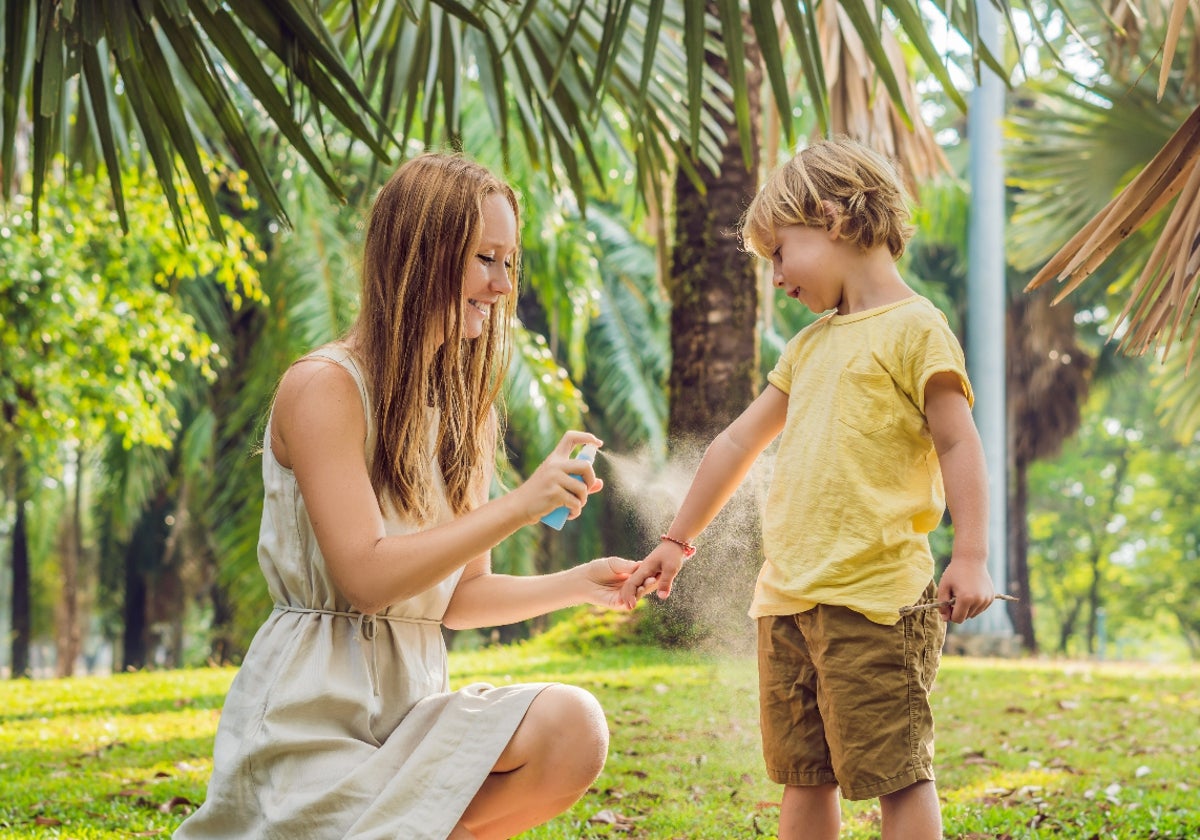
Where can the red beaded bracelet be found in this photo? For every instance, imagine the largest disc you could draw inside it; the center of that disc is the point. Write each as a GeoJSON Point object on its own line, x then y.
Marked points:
{"type": "Point", "coordinates": [688, 548]}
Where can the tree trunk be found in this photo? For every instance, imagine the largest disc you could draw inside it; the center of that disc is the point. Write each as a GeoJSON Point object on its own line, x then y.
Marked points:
{"type": "Point", "coordinates": [1049, 375]}
{"type": "Point", "coordinates": [69, 631]}
{"type": "Point", "coordinates": [146, 548]}
{"type": "Point", "coordinates": [21, 597]}
{"type": "Point", "coordinates": [1020, 613]}
{"type": "Point", "coordinates": [714, 291]}
{"type": "Point", "coordinates": [714, 370]}
{"type": "Point", "coordinates": [1067, 629]}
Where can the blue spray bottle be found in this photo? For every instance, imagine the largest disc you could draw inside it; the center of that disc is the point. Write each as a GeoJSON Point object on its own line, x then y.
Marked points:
{"type": "Point", "coordinates": [558, 517]}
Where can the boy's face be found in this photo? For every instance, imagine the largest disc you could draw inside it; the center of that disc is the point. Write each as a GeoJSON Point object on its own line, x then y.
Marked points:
{"type": "Point", "coordinates": [806, 263]}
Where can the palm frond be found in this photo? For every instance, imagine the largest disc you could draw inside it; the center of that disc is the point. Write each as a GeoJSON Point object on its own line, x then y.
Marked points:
{"type": "Point", "coordinates": [1164, 297]}
{"type": "Point", "coordinates": [540, 400]}
{"type": "Point", "coordinates": [143, 51]}
{"type": "Point", "coordinates": [856, 105]}
{"type": "Point", "coordinates": [1179, 400]}
{"type": "Point", "coordinates": [628, 341]}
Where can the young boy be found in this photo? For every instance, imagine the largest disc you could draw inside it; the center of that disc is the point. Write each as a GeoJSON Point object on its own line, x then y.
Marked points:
{"type": "Point", "coordinates": [875, 409]}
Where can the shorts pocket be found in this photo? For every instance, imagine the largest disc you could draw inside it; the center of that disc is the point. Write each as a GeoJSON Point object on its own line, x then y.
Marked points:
{"type": "Point", "coordinates": [865, 401]}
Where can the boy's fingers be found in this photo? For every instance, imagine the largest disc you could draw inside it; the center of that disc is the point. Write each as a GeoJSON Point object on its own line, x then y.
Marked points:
{"type": "Point", "coordinates": [646, 586]}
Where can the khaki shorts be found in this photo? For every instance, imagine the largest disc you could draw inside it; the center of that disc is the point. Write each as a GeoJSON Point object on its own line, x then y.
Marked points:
{"type": "Point", "coordinates": [845, 700]}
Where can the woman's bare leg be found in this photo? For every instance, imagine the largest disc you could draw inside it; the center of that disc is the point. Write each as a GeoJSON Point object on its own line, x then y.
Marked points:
{"type": "Point", "coordinates": [552, 759]}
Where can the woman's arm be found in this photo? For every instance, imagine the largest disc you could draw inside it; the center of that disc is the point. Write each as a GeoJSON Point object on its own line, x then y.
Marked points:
{"type": "Point", "coordinates": [319, 432]}
{"type": "Point", "coordinates": [483, 599]}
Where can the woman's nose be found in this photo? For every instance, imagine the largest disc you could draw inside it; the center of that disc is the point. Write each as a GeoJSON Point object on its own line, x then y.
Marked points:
{"type": "Point", "coordinates": [502, 284]}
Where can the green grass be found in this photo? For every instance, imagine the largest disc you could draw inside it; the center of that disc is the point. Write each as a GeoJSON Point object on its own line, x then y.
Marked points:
{"type": "Point", "coordinates": [1025, 749]}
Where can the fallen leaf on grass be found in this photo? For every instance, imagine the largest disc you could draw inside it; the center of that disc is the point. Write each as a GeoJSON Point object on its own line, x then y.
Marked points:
{"type": "Point", "coordinates": [610, 817]}
{"type": "Point", "coordinates": [977, 757]}
{"type": "Point", "coordinates": [177, 802]}
{"type": "Point", "coordinates": [47, 821]}
{"type": "Point", "coordinates": [131, 793]}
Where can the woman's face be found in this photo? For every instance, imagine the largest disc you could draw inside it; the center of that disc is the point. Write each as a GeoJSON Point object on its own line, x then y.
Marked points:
{"type": "Point", "coordinates": [487, 277]}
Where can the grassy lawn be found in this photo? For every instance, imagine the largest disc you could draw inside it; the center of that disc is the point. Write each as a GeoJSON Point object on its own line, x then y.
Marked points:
{"type": "Point", "coordinates": [1025, 749]}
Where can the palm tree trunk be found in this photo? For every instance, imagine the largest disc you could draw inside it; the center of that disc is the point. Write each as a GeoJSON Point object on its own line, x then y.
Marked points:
{"type": "Point", "coordinates": [714, 314]}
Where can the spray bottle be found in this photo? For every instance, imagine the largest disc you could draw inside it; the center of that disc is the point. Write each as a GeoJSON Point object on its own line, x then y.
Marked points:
{"type": "Point", "coordinates": [558, 517]}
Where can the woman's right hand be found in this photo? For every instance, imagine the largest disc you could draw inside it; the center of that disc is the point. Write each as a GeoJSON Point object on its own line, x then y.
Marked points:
{"type": "Point", "coordinates": [556, 482]}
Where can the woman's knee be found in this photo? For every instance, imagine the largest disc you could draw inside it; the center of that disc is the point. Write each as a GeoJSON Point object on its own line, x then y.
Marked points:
{"type": "Point", "coordinates": [575, 728]}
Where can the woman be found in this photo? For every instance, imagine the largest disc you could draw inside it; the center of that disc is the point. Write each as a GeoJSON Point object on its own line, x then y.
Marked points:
{"type": "Point", "coordinates": [376, 530]}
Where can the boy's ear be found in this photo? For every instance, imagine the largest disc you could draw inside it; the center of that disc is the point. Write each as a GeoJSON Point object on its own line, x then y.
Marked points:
{"type": "Point", "coordinates": [833, 216]}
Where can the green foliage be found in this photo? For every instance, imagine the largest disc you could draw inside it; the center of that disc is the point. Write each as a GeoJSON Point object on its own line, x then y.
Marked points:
{"type": "Point", "coordinates": [108, 340]}
{"type": "Point", "coordinates": [1025, 749]}
{"type": "Point", "coordinates": [588, 629]}
{"type": "Point", "coordinates": [1113, 528]}
{"type": "Point", "coordinates": [93, 335]}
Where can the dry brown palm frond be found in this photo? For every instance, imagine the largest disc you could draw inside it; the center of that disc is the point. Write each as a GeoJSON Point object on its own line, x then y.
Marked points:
{"type": "Point", "coordinates": [1164, 296]}
{"type": "Point", "coordinates": [1126, 27]}
{"type": "Point", "coordinates": [1153, 187]}
{"type": "Point", "coordinates": [1166, 292]}
{"type": "Point", "coordinates": [1170, 42]}
{"type": "Point", "coordinates": [859, 105]}
{"type": "Point", "coordinates": [1191, 65]}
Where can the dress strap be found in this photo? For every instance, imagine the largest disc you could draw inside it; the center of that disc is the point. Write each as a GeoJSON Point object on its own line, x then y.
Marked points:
{"type": "Point", "coordinates": [364, 627]}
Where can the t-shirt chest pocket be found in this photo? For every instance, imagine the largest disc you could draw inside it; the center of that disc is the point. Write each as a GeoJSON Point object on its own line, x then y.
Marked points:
{"type": "Point", "coordinates": [865, 401]}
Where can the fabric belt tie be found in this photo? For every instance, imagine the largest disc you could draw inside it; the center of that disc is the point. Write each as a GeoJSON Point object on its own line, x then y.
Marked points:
{"type": "Point", "coordinates": [364, 628]}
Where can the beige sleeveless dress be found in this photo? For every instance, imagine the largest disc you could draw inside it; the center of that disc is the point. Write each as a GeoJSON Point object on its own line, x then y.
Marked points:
{"type": "Point", "coordinates": [340, 725]}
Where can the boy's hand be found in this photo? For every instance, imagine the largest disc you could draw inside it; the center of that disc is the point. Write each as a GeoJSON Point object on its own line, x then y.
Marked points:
{"type": "Point", "coordinates": [656, 573]}
{"type": "Point", "coordinates": [970, 585]}
{"type": "Point", "coordinates": [604, 578]}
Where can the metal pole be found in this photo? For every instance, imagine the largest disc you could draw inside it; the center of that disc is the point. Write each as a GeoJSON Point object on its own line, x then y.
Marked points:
{"type": "Point", "coordinates": [986, 305]}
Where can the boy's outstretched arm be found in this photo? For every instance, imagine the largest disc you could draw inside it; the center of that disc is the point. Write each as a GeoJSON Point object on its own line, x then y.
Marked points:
{"type": "Point", "coordinates": [725, 463]}
{"type": "Point", "coordinates": [964, 473]}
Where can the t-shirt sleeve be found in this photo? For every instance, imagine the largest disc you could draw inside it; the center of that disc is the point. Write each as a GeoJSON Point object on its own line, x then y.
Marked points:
{"type": "Point", "coordinates": [781, 375]}
{"type": "Point", "coordinates": [933, 348]}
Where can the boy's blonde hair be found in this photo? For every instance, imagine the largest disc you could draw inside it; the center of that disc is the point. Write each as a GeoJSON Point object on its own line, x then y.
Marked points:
{"type": "Point", "coordinates": [860, 183]}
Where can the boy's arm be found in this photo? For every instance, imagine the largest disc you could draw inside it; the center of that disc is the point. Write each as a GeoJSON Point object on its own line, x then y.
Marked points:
{"type": "Point", "coordinates": [724, 465]}
{"type": "Point", "coordinates": [964, 473]}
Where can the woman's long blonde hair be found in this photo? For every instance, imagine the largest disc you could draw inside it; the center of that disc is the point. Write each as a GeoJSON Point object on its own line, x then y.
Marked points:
{"type": "Point", "coordinates": [423, 230]}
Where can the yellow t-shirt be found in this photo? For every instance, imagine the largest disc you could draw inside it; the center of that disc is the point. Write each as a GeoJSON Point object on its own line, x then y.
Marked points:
{"type": "Point", "coordinates": [856, 486]}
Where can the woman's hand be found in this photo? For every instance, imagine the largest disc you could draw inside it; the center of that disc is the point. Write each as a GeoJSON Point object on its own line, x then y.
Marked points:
{"type": "Point", "coordinates": [604, 578]}
{"type": "Point", "coordinates": [557, 481]}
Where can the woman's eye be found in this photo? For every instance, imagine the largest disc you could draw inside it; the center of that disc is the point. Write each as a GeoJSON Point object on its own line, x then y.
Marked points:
{"type": "Point", "coordinates": [487, 259]}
